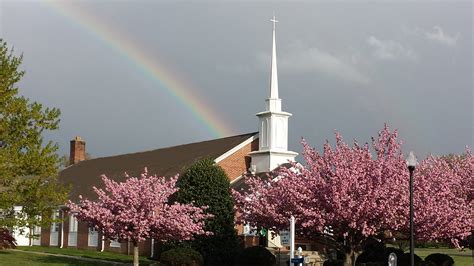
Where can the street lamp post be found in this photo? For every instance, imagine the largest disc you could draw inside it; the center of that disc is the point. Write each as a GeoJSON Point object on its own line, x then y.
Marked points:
{"type": "Point", "coordinates": [411, 163]}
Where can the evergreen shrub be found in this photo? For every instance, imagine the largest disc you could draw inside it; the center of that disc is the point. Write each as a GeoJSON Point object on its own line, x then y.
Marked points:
{"type": "Point", "coordinates": [440, 259]}
{"type": "Point", "coordinates": [206, 184]}
{"type": "Point", "coordinates": [404, 259]}
{"type": "Point", "coordinates": [181, 256]}
{"type": "Point", "coordinates": [255, 256]}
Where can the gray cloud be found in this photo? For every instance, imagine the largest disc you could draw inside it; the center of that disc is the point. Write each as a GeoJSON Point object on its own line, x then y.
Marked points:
{"type": "Point", "coordinates": [300, 58]}
{"type": "Point", "coordinates": [336, 76]}
{"type": "Point", "coordinates": [390, 50]}
{"type": "Point", "coordinates": [438, 35]}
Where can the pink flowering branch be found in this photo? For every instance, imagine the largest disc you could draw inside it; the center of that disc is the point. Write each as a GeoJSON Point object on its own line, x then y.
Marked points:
{"type": "Point", "coordinates": [360, 193]}
{"type": "Point", "coordinates": [139, 208]}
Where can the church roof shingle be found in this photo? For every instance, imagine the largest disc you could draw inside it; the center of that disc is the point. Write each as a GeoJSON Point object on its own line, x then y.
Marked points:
{"type": "Point", "coordinates": [162, 162]}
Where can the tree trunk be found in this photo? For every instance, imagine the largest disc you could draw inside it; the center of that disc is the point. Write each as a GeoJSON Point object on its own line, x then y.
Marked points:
{"type": "Point", "coordinates": [351, 257]}
{"type": "Point", "coordinates": [135, 254]}
{"type": "Point", "coordinates": [30, 236]}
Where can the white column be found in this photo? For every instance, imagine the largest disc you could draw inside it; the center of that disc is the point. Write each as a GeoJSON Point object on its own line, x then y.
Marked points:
{"type": "Point", "coordinates": [62, 229]}
{"type": "Point", "coordinates": [292, 237]}
{"type": "Point", "coordinates": [152, 253]}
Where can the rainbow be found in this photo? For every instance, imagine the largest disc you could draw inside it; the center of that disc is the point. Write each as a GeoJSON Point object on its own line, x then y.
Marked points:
{"type": "Point", "coordinates": [158, 73]}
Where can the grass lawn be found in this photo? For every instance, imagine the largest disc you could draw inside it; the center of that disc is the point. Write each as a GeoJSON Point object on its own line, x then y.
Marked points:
{"type": "Point", "coordinates": [110, 256]}
{"type": "Point", "coordinates": [461, 258]}
{"type": "Point", "coordinates": [8, 258]}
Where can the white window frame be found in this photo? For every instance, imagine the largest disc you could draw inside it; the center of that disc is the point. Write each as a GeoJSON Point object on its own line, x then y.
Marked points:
{"type": "Point", "coordinates": [249, 231]}
{"type": "Point", "coordinates": [72, 235]}
{"type": "Point", "coordinates": [92, 232]}
{"type": "Point", "coordinates": [54, 230]}
{"type": "Point", "coordinates": [73, 224]}
{"type": "Point", "coordinates": [37, 240]}
{"type": "Point", "coordinates": [54, 225]}
{"type": "Point", "coordinates": [114, 243]}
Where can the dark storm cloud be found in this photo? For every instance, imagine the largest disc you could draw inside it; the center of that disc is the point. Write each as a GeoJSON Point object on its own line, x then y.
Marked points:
{"type": "Point", "coordinates": [349, 66]}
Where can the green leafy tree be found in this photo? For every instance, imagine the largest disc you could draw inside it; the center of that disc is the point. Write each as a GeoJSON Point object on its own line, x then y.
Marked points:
{"type": "Point", "coordinates": [206, 184]}
{"type": "Point", "coordinates": [28, 166]}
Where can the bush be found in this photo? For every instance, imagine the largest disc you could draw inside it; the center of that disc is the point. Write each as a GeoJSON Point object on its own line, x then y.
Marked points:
{"type": "Point", "coordinates": [181, 256]}
{"type": "Point", "coordinates": [6, 239]}
{"type": "Point", "coordinates": [431, 244]}
{"type": "Point", "coordinates": [440, 259]}
{"type": "Point", "coordinates": [255, 256]}
{"type": "Point", "coordinates": [206, 184]}
{"type": "Point", "coordinates": [375, 253]}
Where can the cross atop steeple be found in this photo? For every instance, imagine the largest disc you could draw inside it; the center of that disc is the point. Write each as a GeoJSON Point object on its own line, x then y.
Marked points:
{"type": "Point", "coordinates": [274, 21]}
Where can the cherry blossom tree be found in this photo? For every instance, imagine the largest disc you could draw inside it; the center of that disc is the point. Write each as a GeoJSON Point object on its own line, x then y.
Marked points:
{"type": "Point", "coordinates": [355, 192]}
{"type": "Point", "coordinates": [443, 198]}
{"type": "Point", "coordinates": [138, 209]}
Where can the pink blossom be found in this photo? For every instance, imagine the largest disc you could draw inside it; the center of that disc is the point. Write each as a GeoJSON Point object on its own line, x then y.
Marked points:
{"type": "Point", "coordinates": [139, 208]}
{"type": "Point", "coordinates": [360, 193]}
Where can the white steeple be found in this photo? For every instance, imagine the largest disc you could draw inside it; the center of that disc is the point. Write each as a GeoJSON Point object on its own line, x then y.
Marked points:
{"type": "Point", "coordinates": [273, 133]}
{"type": "Point", "coordinates": [274, 103]}
{"type": "Point", "coordinates": [274, 71]}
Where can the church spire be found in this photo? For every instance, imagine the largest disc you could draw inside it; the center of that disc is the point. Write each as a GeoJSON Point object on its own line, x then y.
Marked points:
{"type": "Point", "coordinates": [273, 102]}
{"type": "Point", "coordinates": [273, 134]}
{"type": "Point", "coordinates": [274, 73]}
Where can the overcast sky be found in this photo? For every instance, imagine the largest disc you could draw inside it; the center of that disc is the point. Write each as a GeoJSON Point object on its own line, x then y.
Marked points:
{"type": "Point", "coordinates": [350, 66]}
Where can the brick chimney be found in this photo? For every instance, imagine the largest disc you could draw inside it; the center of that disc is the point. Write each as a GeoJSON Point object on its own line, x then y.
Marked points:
{"type": "Point", "coordinates": [78, 150]}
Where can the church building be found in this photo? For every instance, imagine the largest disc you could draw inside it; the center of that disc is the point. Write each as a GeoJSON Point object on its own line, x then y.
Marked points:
{"type": "Point", "coordinates": [255, 152]}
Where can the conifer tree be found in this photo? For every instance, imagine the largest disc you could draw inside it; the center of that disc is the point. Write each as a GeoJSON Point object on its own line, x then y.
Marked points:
{"type": "Point", "coordinates": [206, 184]}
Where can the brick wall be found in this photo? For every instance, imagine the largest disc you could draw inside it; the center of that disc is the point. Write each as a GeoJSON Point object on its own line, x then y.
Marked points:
{"type": "Point", "coordinates": [44, 238]}
{"type": "Point", "coordinates": [65, 224]}
{"type": "Point", "coordinates": [82, 235]}
{"type": "Point", "coordinates": [144, 248]}
{"type": "Point", "coordinates": [239, 162]}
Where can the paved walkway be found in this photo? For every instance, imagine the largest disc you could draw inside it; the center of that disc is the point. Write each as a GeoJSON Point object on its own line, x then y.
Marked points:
{"type": "Point", "coordinates": [72, 257]}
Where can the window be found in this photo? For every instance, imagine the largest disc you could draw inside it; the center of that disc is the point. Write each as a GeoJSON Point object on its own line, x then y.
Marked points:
{"type": "Point", "coordinates": [93, 237]}
{"type": "Point", "coordinates": [249, 231]}
{"type": "Point", "coordinates": [72, 239]}
{"type": "Point", "coordinates": [54, 225]}
{"type": "Point", "coordinates": [114, 243]}
{"type": "Point", "coordinates": [54, 235]}
{"type": "Point", "coordinates": [72, 223]}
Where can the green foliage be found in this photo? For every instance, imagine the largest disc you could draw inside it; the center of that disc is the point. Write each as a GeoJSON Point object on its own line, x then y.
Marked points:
{"type": "Point", "coordinates": [257, 255]}
{"type": "Point", "coordinates": [182, 256]}
{"type": "Point", "coordinates": [206, 184]}
{"type": "Point", "coordinates": [27, 165]}
{"type": "Point", "coordinates": [431, 244]}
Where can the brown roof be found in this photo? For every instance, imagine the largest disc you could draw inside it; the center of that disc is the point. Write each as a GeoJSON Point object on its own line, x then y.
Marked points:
{"type": "Point", "coordinates": [163, 162]}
